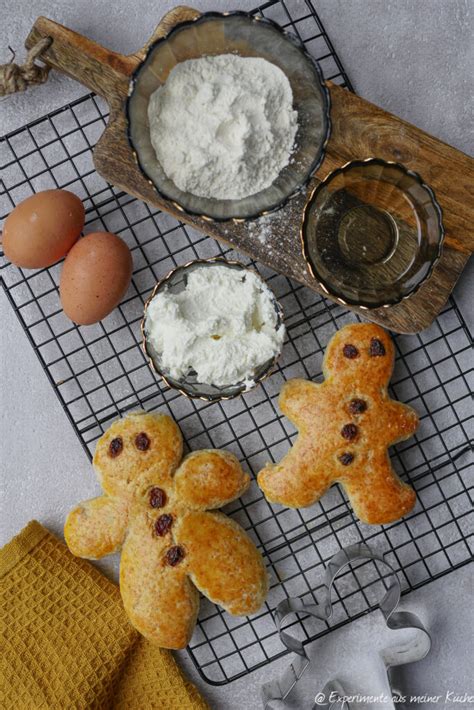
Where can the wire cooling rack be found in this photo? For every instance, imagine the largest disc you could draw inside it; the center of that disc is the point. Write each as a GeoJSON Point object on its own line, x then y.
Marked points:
{"type": "Point", "coordinates": [99, 373]}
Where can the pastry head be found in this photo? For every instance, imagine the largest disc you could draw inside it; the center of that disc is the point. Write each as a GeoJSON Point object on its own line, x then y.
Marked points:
{"type": "Point", "coordinates": [137, 451]}
{"type": "Point", "coordinates": [361, 350]}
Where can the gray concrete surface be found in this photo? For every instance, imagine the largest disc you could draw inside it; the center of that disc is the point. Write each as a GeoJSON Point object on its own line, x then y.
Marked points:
{"type": "Point", "coordinates": [413, 57]}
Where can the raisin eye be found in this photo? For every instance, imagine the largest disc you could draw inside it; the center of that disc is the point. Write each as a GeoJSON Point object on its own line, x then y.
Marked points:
{"type": "Point", "coordinates": [142, 442]}
{"type": "Point", "coordinates": [377, 348]}
{"type": "Point", "coordinates": [350, 351]}
{"type": "Point", "coordinates": [115, 447]}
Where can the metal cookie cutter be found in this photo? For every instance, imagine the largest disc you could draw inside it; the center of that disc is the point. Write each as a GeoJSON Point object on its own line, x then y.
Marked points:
{"type": "Point", "coordinates": [333, 693]}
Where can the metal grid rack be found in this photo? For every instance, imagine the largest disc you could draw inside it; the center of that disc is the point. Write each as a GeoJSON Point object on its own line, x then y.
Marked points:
{"type": "Point", "coordinates": [99, 372]}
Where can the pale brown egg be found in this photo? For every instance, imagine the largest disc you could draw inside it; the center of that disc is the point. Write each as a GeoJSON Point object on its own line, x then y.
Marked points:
{"type": "Point", "coordinates": [43, 228]}
{"type": "Point", "coordinates": [95, 276]}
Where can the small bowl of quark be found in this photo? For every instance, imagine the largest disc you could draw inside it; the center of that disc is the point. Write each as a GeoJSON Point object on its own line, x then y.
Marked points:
{"type": "Point", "coordinates": [228, 116]}
{"type": "Point", "coordinates": [212, 329]}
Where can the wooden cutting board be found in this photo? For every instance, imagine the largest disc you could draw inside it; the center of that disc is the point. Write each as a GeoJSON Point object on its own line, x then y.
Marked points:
{"type": "Point", "coordinates": [359, 130]}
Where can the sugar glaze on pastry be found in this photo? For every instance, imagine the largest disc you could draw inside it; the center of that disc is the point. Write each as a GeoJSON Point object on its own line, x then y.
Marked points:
{"type": "Point", "coordinates": [155, 508]}
{"type": "Point", "coordinates": [345, 426]}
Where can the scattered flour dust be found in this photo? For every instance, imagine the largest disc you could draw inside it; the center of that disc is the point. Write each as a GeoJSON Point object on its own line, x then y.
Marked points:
{"type": "Point", "coordinates": [263, 227]}
{"type": "Point", "coordinates": [223, 326]}
{"type": "Point", "coordinates": [224, 126]}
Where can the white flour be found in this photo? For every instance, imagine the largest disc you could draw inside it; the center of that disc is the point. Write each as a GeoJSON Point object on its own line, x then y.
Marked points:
{"type": "Point", "coordinates": [224, 126]}
{"type": "Point", "coordinates": [263, 227]}
{"type": "Point", "coordinates": [221, 326]}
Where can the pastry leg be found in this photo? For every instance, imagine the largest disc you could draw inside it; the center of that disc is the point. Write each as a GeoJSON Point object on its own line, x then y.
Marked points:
{"type": "Point", "coordinates": [377, 495]}
{"type": "Point", "coordinates": [224, 564]}
{"type": "Point", "coordinates": [159, 598]}
{"type": "Point", "coordinates": [96, 527]}
{"type": "Point", "coordinates": [298, 480]}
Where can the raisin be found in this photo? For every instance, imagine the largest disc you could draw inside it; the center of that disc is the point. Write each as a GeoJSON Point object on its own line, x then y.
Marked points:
{"type": "Point", "coordinates": [157, 498]}
{"type": "Point", "coordinates": [357, 406]}
{"type": "Point", "coordinates": [142, 442]}
{"type": "Point", "coordinates": [174, 555]}
{"type": "Point", "coordinates": [115, 447]}
{"type": "Point", "coordinates": [163, 524]}
{"type": "Point", "coordinates": [346, 459]}
{"type": "Point", "coordinates": [350, 351]}
{"type": "Point", "coordinates": [377, 348]}
{"type": "Point", "coordinates": [349, 431]}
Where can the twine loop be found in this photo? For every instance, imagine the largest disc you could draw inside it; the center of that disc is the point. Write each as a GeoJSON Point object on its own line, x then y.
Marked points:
{"type": "Point", "coordinates": [18, 77]}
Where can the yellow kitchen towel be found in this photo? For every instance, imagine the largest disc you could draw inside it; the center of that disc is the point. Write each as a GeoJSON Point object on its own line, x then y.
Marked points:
{"type": "Point", "coordinates": [66, 643]}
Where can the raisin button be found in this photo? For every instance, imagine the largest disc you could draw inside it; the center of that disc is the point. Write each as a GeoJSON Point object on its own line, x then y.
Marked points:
{"type": "Point", "coordinates": [349, 431]}
{"type": "Point", "coordinates": [142, 442]}
{"type": "Point", "coordinates": [115, 447]}
{"type": "Point", "coordinates": [346, 459]}
{"type": "Point", "coordinates": [163, 524]}
{"type": "Point", "coordinates": [357, 406]}
{"type": "Point", "coordinates": [157, 498]}
{"type": "Point", "coordinates": [350, 351]}
{"type": "Point", "coordinates": [377, 348]}
{"type": "Point", "coordinates": [174, 555]}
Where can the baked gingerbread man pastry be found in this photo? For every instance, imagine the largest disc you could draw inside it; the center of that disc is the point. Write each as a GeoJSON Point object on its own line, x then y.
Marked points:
{"type": "Point", "coordinates": [156, 508]}
{"type": "Point", "coordinates": [345, 426]}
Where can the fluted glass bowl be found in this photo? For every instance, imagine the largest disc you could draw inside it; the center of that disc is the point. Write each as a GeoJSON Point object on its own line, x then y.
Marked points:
{"type": "Point", "coordinates": [248, 36]}
{"type": "Point", "coordinates": [372, 233]}
{"type": "Point", "coordinates": [175, 282]}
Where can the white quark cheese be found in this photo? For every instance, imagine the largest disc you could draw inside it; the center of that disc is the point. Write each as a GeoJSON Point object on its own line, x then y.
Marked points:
{"type": "Point", "coordinates": [223, 127]}
{"type": "Point", "coordinates": [223, 326]}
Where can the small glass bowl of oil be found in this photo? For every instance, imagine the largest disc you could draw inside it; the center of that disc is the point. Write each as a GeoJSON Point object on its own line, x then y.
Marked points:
{"type": "Point", "coordinates": [372, 233]}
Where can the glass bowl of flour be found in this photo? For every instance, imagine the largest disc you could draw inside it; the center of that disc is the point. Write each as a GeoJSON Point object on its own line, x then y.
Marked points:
{"type": "Point", "coordinates": [212, 329]}
{"type": "Point", "coordinates": [228, 116]}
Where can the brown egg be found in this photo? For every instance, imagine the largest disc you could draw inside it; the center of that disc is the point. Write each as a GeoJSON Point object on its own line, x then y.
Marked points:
{"type": "Point", "coordinates": [43, 228]}
{"type": "Point", "coordinates": [95, 276]}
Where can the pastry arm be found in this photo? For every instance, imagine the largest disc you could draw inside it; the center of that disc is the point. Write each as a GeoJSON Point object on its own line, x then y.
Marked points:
{"type": "Point", "coordinates": [298, 399]}
{"type": "Point", "coordinates": [96, 527]}
{"type": "Point", "coordinates": [401, 421]}
{"type": "Point", "coordinates": [210, 479]}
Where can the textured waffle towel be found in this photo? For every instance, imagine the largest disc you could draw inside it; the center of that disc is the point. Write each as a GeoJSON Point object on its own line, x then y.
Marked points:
{"type": "Point", "coordinates": [66, 643]}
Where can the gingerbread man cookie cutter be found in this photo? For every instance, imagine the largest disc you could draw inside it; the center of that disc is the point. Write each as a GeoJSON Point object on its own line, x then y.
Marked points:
{"type": "Point", "coordinates": [332, 694]}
